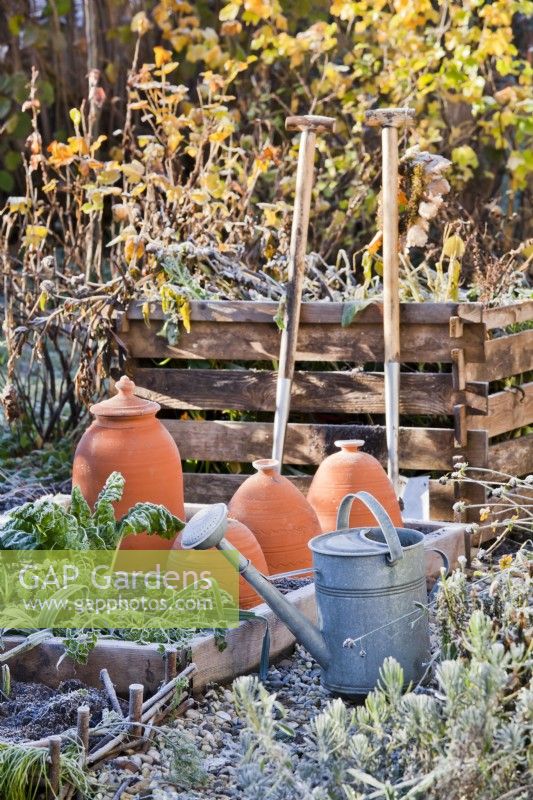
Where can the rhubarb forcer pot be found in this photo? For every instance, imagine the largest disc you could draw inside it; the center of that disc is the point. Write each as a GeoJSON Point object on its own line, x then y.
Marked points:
{"type": "Point", "coordinates": [347, 472]}
{"type": "Point", "coordinates": [278, 515]}
{"type": "Point", "coordinates": [127, 437]}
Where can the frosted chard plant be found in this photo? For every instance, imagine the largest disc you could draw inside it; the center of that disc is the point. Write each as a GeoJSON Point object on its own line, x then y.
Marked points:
{"type": "Point", "coordinates": [466, 735]}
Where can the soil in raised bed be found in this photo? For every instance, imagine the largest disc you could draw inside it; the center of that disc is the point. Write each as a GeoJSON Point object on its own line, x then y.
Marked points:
{"type": "Point", "coordinates": [34, 711]}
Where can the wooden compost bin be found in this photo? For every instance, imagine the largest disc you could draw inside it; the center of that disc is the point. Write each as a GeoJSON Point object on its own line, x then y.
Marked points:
{"type": "Point", "coordinates": [453, 355]}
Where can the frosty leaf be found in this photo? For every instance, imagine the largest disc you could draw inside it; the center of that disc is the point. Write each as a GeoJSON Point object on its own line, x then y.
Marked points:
{"type": "Point", "coordinates": [439, 186]}
{"type": "Point", "coordinates": [113, 489]}
{"type": "Point", "coordinates": [351, 309]}
{"type": "Point", "coordinates": [416, 235]}
{"type": "Point", "coordinates": [150, 518]}
{"type": "Point", "coordinates": [104, 513]}
{"type": "Point", "coordinates": [79, 507]}
{"type": "Point", "coordinates": [429, 210]}
{"type": "Point", "coordinates": [432, 163]}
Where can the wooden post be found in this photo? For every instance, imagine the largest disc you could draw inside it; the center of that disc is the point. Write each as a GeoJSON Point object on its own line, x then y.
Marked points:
{"type": "Point", "coordinates": [54, 756]}
{"type": "Point", "coordinates": [309, 125]}
{"type": "Point", "coordinates": [459, 515]}
{"type": "Point", "coordinates": [171, 659]}
{"type": "Point", "coordinates": [390, 119]}
{"type": "Point", "coordinates": [110, 691]}
{"type": "Point", "coordinates": [84, 717]}
{"type": "Point", "coordinates": [135, 709]}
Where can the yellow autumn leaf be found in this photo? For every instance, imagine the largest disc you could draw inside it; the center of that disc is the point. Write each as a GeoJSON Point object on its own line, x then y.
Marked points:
{"type": "Point", "coordinates": [505, 561]}
{"type": "Point", "coordinates": [133, 171]}
{"type": "Point", "coordinates": [166, 69]}
{"type": "Point", "coordinates": [162, 56]}
{"type": "Point", "coordinates": [229, 12]}
{"type": "Point", "coordinates": [375, 244]}
{"type": "Point", "coordinates": [50, 186]}
{"type": "Point", "coordinates": [453, 247]}
{"type": "Point", "coordinates": [109, 176]}
{"type": "Point", "coordinates": [146, 314]}
{"type": "Point", "coordinates": [185, 313]}
{"type": "Point", "coordinates": [43, 299]}
{"type": "Point", "coordinates": [173, 193]}
{"type": "Point", "coordinates": [214, 185]}
{"type": "Point", "coordinates": [271, 217]}
{"type": "Point", "coordinates": [173, 141]}
{"type": "Point", "coordinates": [18, 205]}
{"type": "Point", "coordinates": [199, 197]}
{"type": "Point", "coordinates": [140, 23]}
{"type": "Point", "coordinates": [260, 8]}
{"type": "Point", "coordinates": [133, 249]}
{"type": "Point", "coordinates": [61, 154]}
{"type": "Point", "coordinates": [138, 189]}
{"type": "Point", "coordinates": [34, 235]}
{"type": "Point", "coordinates": [78, 145]}
{"type": "Point", "coordinates": [75, 116]}
{"type": "Point", "coordinates": [98, 143]}
{"type": "Point", "coordinates": [231, 27]}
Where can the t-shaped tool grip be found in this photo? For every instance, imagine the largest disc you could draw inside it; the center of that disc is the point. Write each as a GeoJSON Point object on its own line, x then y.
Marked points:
{"type": "Point", "coordinates": [390, 117]}
{"type": "Point", "coordinates": [310, 122]}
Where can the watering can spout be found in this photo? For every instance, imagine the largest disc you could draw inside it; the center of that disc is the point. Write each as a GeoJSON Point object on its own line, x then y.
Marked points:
{"type": "Point", "coordinates": [205, 530]}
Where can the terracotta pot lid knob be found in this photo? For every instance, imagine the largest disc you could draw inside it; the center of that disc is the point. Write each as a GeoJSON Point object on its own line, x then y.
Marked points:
{"type": "Point", "coordinates": [350, 444]}
{"type": "Point", "coordinates": [125, 386]}
{"type": "Point", "coordinates": [125, 402]}
{"type": "Point", "coordinates": [266, 465]}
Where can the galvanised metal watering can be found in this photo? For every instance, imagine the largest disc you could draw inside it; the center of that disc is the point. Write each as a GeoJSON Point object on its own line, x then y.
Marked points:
{"type": "Point", "coordinates": [370, 593]}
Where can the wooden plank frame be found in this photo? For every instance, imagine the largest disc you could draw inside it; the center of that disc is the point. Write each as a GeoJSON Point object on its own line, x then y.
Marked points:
{"type": "Point", "coordinates": [452, 352]}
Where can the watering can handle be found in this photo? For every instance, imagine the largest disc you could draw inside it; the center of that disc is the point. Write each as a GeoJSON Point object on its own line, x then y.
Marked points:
{"type": "Point", "coordinates": [385, 522]}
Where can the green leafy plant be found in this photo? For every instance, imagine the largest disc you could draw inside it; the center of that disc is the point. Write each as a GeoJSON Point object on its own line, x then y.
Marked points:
{"type": "Point", "coordinates": [48, 525]}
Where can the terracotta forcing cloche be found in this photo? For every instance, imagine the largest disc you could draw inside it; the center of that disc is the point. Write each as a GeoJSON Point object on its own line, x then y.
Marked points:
{"type": "Point", "coordinates": [347, 472]}
{"type": "Point", "coordinates": [127, 437]}
{"type": "Point", "coordinates": [278, 515]}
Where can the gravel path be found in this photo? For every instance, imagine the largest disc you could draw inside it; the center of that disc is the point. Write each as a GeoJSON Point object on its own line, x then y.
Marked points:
{"type": "Point", "coordinates": [213, 728]}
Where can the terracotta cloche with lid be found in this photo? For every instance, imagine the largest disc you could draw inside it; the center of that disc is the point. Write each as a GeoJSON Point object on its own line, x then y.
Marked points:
{"type": "Point", "coordinates": [127, 437]}
{"type": "Point", "coordinates": [278, 515]}
{"type": "Point", "coordinates": [347, 472]}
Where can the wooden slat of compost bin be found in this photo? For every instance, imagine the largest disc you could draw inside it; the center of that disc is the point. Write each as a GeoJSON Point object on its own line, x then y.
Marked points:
{"type": "Point", "coordinates": [514, 457]}
{"type": "Point", "coordinates": [212, 487]}
{"type": "Point", "coordinates": [505, 356]}
{"type": "Point", "coordinates": [311, 312]}
{"type": "Point", "coordinates": [202, 487]}
{"type": "Point", "coordinates": [496, 317]}
{"type": "Point", "coordinates": [227, 341]}
{"type": "Point", "coordinates": [420, 448]}
{"type": "Point", "coordinates": [508, 410]}
{"type": "Point", "coordinates": [253, 390]}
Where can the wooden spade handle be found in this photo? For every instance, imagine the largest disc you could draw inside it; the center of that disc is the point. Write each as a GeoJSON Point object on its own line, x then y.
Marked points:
{"type": "Point", "coordinates": [310, 122]}
{"type": "Point", "coordinates": [390, 117]}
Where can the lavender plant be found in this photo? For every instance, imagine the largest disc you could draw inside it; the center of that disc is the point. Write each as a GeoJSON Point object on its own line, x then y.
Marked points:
{"type": "Point", "coordinates": [466, 735]}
